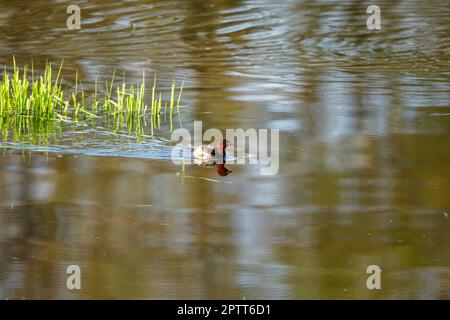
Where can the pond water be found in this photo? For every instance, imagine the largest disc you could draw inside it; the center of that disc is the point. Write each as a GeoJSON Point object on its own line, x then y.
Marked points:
{"type": "Point", "coordinates": [364, 175]}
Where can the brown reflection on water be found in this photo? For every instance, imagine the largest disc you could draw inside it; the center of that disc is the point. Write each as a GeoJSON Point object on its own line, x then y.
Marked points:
{"type": "Point", "coordinates": [137, 231]}
{"type": "Point", "coordinates": [364, 163]}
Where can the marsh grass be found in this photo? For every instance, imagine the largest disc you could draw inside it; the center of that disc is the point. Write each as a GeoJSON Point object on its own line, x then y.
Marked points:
{"type": "Point", "coordinates": [24, 95]}
{"type": "Point", "coordinates": [30, 101]}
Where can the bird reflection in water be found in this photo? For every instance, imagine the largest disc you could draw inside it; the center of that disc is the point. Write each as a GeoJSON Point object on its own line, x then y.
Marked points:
{"type": "Point", "coordinates": [209, 155]}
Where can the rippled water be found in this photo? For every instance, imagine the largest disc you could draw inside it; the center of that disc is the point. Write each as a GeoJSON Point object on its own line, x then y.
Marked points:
{"type": "Point", "coordinates": [364, 119]}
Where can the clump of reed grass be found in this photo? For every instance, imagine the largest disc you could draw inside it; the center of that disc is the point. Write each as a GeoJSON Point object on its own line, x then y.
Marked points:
{"type": "Point", "coordinates": [26, 130]}
{"type": "Point", "coordinates": [124, 106]}
{"type": "Point", "coordinates": [38, 97]}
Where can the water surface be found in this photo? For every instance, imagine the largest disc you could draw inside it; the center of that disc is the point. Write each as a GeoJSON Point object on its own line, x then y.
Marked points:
{"type": "Point", "coordinates": [364, 119]}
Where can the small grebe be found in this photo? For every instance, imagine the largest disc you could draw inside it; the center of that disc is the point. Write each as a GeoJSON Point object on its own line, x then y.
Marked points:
{"type": "Point", "coordinates": [209, 155]}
